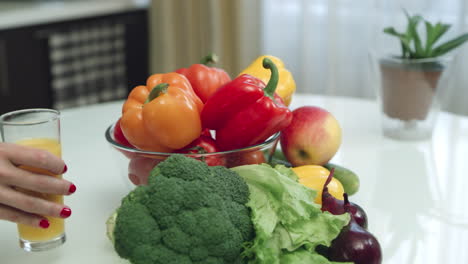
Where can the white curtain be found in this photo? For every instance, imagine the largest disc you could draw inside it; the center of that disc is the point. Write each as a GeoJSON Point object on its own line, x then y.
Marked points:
{"type": "Point", "coordinates": [184, 31]}
{"type": "Point", "coordinates": [326, 43]}
{"type": "Point", "coordinates": [323, 43]}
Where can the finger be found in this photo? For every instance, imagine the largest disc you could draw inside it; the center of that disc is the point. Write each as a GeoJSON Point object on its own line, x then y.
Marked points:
{"type": "Point", "coordinates": [32, 203]}
{"type": "Point", "coordinates": [14, 176]}
{"type": "Point", "coordinates": [17, 216]}
{"type": "Point", "coordinates": [37, 158]}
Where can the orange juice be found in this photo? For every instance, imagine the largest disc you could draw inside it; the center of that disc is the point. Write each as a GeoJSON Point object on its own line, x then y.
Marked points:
{"type": "Point", "coordinates": [57, 226]}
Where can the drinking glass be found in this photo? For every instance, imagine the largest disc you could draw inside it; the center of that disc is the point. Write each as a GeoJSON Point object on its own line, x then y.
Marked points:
{"type": "Point", "coordinates": [37, 128]}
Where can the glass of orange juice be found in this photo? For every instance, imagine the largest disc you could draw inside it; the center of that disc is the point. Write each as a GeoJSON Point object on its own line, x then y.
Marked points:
{"type": "Point", "coordinates": [37, 128]}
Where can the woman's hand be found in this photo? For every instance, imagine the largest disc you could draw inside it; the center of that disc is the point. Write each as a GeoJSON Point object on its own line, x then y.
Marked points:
{"type": "Point", "coordinates": [24, 208]}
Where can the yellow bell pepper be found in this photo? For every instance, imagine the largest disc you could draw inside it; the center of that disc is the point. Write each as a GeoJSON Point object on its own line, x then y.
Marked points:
{"type": "Point", "coordinates": [286, 84]}
{"type": "Point", "coordinates": [314, 177]}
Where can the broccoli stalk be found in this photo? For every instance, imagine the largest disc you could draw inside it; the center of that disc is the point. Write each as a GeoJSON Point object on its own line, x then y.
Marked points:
{"type": "Point", "coordinates": [110, 226]}
{"type": "Point", "coordinates": [188, 213]}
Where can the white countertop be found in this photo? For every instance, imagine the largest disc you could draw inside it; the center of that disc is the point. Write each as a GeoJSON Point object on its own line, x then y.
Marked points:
{"type": "Point", "coordinates": [15, 14]}
{"type": "Point", "coordinates": [413, 192]}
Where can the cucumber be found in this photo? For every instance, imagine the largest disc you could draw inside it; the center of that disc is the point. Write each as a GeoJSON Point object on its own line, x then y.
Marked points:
{"type": "Point", "coordinates": [348, 178]}
{"type": "Point", "coordinates": [278, 158]}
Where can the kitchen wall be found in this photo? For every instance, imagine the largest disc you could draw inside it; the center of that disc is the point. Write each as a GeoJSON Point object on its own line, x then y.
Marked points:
{"type": "Point", "coordinates": [73, 53]}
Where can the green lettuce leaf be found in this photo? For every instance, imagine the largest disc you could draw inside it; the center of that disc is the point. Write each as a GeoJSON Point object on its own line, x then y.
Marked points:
{"type": "Point", "coordinates": [302, 256]}
{"type": "Point", "coordinates": [288, 224]}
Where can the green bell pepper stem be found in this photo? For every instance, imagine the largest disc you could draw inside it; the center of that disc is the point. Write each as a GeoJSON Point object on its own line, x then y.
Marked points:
{"type": "Point", "coordinates": [269, 90]}
{"type": "Point", "coordinates": [157, 91]}
{"type": "Point", "coordinates": [209, 59]}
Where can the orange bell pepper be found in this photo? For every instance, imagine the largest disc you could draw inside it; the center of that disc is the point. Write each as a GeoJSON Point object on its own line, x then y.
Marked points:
{"type": "Point", "coordinates": [162, 116]}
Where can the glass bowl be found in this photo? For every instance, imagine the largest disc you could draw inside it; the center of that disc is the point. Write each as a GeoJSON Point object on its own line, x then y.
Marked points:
{"type": "Point", "coordinates": [138, 163]}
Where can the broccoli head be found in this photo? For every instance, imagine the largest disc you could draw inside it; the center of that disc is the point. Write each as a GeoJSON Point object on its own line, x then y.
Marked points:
{"type": "Point", "coordinates": [188, 213]}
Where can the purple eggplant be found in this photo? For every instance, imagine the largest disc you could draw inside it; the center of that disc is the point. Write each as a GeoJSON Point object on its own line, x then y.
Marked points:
{"type": "Point", "coordinates": [354, 243]}
{"type": "Point", "coordinates": [336, 207]}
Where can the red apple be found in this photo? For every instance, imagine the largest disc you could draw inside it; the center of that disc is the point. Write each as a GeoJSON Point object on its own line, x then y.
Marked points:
{"type": "Point", "coordinates": [312, 138]}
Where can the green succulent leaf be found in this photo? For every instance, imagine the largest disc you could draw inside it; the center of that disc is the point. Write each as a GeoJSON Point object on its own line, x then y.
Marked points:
{"type": "Point", "coordinates": [433, 34]}
{"type": "Point", "coordinates": [412, 45]}
{"type": "Point", "coordinates": [404, 39]}
{"type": "Point", "coordinates": [449, 45]}
{"type": "Point", "coordinates": [392, 31]}
{"type": "Point", "coordinates": [412, 33]}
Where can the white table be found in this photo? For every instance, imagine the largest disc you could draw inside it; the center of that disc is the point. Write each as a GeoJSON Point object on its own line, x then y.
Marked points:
{"type": "Point", "coordinates": [413, 192]}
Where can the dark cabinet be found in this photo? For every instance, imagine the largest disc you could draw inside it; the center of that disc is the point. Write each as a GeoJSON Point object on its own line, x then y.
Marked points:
{"type": "Point", "coordinates": [73, 63]}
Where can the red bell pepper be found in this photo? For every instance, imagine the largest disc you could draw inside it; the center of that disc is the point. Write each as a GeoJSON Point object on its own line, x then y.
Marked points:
{"type": "Point", "coordinates": [119, 136]}
{"type": "Point", "coordinates": [205, 144]}
{"type": "Point", "coordinates": [205, 80]}
{"type": "Point", "coordinates": [244, 112]}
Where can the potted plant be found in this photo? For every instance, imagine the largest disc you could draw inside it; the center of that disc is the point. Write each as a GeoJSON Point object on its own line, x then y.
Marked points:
{"type": "Point", "coordinates": [409, 80]}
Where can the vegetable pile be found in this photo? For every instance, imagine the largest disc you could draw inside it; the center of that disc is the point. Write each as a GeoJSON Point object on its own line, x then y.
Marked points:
{"type": "Point", "coordinates": [234, 206]}
{"type": "Point", "coordinates": [193, 213]}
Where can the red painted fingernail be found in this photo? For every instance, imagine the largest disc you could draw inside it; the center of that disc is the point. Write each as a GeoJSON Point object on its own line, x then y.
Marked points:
{"type": "Point", "coordinates": [44, 223]}
{"type": "Point", "coordinates": [65, 168]}
{"type": "Point", "coordinates": [66, 212]}
{"type": "Point", "coordinates": [72, 188]}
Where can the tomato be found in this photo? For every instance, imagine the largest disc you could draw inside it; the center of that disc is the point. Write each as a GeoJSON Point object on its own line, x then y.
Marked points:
{"type": "Point", "coordinates": [206, 132]}
{"type": "Point", "coordinates": [119, 136]}
{"type": "Point", "coordinates": [139, 169]}
{"type": "Point", "coordinates": [245, 158]}
{"type": "Point", "coordinates": [204, 145]}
